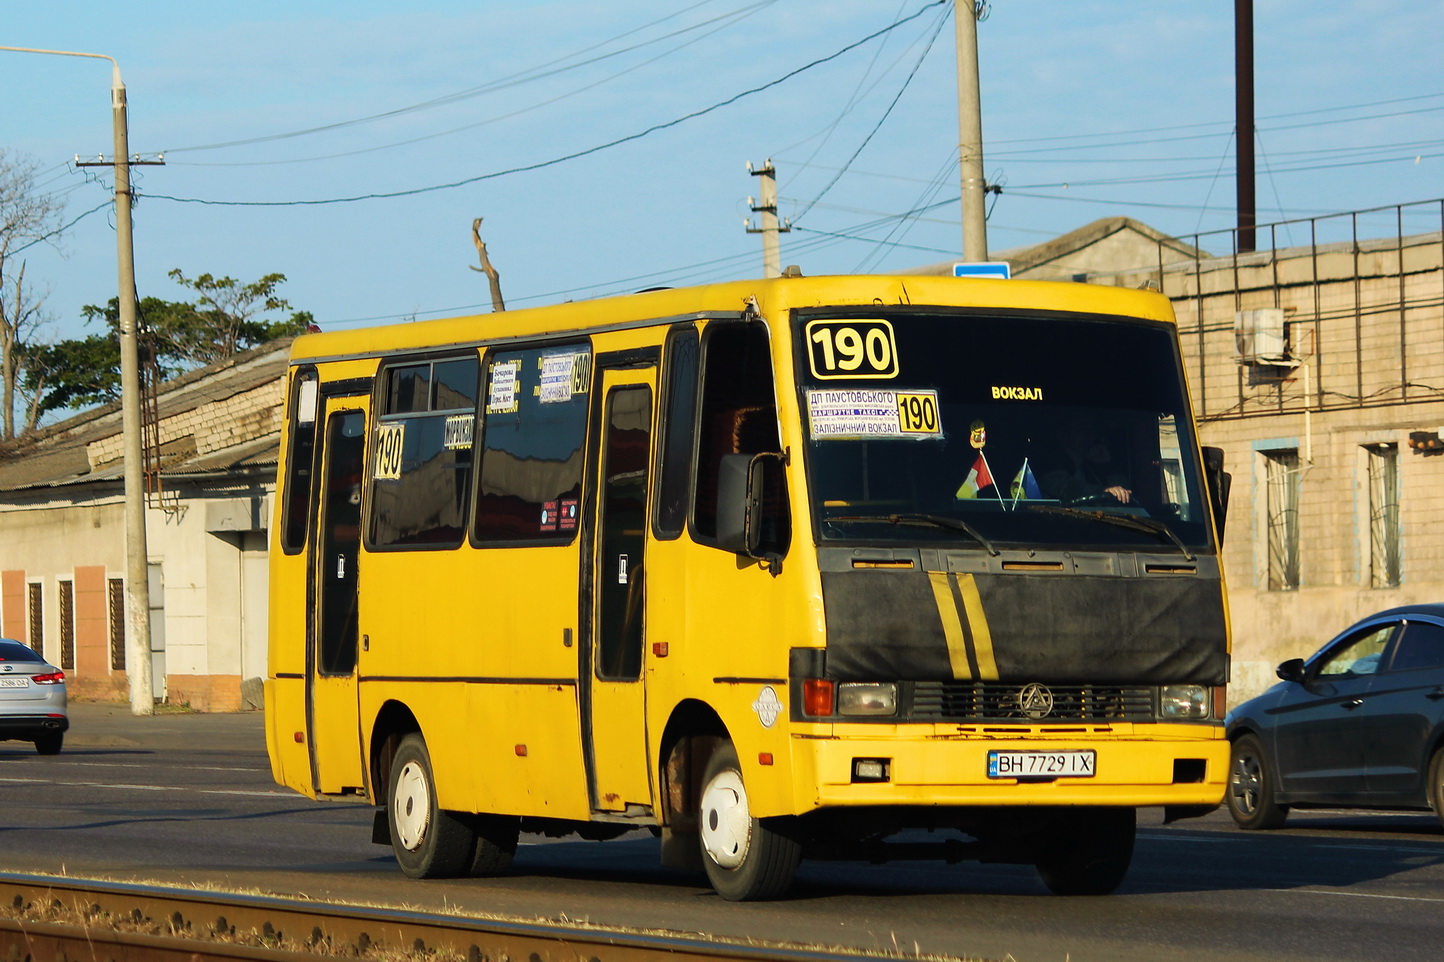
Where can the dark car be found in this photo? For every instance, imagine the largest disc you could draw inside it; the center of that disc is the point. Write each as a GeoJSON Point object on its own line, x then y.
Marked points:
{"type": "Point", "coordinates": [1358, 725]}
{"type": "Point", "coordinates": [32, 698]}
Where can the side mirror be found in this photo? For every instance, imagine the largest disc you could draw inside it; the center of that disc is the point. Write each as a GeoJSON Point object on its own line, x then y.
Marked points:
{"type": "Point", "coordinates": [739, 503]}
{"type": "Point", "coordinates": [745, 524]}
{"type": "Point", "coordinates": [1292, 670]}
{"type": "Point", "coordinates": [1218, 482]}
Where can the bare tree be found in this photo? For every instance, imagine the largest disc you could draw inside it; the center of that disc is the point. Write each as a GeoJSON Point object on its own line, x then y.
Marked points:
{"type": "Point", "coordinates": [26, 216]}
{"type": "Point", "coordinates": [497, 304]}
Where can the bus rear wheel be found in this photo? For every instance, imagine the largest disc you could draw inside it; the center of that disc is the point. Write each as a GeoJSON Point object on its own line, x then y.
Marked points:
{"type": "Point", "coordinates": [1088, 851]}
{"type": "Point", "coordinates": [746, 858]}
{"type": "Point", "coordinates": [428, 841]}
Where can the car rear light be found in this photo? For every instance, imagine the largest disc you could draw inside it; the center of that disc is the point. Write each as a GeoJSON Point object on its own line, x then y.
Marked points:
{"type": "Point", "coordinates": [816, 696]}
{"type": "Point", "coordinates": [50, 678]}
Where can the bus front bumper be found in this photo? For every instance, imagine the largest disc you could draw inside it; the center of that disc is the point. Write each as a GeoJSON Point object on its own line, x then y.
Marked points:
{"type": "Point", "coordinates": [1168, 765]}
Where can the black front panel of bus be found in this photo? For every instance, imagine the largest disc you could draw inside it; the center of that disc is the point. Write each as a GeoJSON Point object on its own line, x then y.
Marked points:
{"type": "Point", "coordinates": [885, 624]}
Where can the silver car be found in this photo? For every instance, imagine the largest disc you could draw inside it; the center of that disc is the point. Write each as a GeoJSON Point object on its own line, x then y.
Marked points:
{"type": "Point", "coordinates": [32, 698]}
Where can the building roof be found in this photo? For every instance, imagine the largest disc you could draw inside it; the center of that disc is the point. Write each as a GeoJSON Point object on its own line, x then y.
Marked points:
{"type": "Point", "coordinates": [83, 448]}
{"type": "Point", "coordinates": [1102, 247]}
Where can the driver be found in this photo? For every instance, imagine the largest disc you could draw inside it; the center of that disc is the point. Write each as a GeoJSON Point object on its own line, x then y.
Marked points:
{"type": "Point", "coordinates": [1083, 467]}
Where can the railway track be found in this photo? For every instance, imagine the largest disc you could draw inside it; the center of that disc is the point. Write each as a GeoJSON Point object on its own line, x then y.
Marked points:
{"type": "Point", "coordinates": [47, 919]}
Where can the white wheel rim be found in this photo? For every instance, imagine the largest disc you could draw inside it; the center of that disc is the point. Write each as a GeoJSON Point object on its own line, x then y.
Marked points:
{"type": "Point", "coordinates": [726, 822]}
{"type": "Point", "coordinates": [411, 806]}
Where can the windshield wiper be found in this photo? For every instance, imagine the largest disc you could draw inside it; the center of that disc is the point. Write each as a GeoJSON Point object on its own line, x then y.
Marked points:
{"type": "Point", "coordinates": [1151, 525]}
{"type": "Point", "coordinates": [923, 520]}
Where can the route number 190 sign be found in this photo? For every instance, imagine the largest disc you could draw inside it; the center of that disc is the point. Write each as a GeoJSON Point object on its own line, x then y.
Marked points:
{"type": "Point", "coordinates": [852, 348]}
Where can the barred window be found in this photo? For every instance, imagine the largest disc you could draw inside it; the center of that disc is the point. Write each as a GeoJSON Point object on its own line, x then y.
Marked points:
{"type": "Point", "coordinates": [115, 602]}
{"type": "Point", "coordinates": [1282, 503]}
{"type": "Point", "coordinates": [35, 606]}
{"type": "Point", "coordinates": [67, 625]}
{"type": "Point", "coordinates": [1384, 568]}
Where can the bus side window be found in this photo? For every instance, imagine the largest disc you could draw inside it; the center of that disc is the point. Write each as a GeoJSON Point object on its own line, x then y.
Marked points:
{"type": "Point", "coordinates": [739, 416]}
{"type": "Point", "coordinates": [421, 478]}
{"type": "Point", "coordinates": [678, 424]}
{"type": "Point", "coordinates": [300, 461]}
{"type": "Point", "coordinates": [529, 486]}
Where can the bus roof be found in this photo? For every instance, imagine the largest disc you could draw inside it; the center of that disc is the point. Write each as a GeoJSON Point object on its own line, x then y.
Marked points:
{"type": "Point", "coordinates": [773, 297]}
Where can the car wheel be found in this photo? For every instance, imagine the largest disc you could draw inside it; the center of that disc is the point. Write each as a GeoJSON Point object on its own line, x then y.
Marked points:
{"type": "Point", "coordinates": [49, 743]}
{"type": "Point", "coordinates": [746, 858]}
{"type": "Point", "coordinates": [1088, 852]}
{"type": "Point", "coordinates": [1250, 795]}
{"type": "Point", "coordinates": [1436, 783]}
{"type": "Point", "coordinates": [428, 841]}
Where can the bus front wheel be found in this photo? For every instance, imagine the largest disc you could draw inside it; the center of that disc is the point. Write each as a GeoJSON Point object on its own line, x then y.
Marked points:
{"type": "Point", "coordinates": [746, 858]}
{"type": "Point", "coordinates": [428, 841]}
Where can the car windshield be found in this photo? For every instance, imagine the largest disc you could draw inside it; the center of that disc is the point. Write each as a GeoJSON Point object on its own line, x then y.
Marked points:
{"type": "Point", "coordinates": [15, 651]}
{"type": "Point", "coordinates": [1026, 428]}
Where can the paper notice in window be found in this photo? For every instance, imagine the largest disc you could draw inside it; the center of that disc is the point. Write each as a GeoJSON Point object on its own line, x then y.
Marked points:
{"type": "Point", "coordinates": [501, 395]}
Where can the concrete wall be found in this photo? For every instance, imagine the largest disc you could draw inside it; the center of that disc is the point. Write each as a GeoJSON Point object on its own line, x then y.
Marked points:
{"type": "Point", "coordinates": [211, 606]}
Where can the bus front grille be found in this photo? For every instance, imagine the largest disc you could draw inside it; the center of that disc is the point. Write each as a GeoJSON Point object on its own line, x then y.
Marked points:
{"type": "Point", "coordinates": [975, 701]}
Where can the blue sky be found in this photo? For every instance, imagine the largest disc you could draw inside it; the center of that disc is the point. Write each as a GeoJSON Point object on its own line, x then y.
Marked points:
{"type": "Point", "coordinates": [1090, 110]}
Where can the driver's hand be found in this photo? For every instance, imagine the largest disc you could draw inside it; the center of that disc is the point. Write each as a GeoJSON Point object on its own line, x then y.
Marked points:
{"type": "Point", "coordinates": [1122, 494]}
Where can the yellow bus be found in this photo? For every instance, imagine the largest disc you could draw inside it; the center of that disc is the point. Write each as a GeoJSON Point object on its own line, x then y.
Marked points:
{"type": "Point", "coordinates": [775, 569]}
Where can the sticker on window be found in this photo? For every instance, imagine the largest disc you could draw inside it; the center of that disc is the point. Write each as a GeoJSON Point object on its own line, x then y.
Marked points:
{"type": "Point", "coordinates": [857, 349]}
{"type": "Point", "coordinates": [564, 376]}
{"type": "Point", "coordinates": [501, 395]}
{"type": "Point", "coordinates": [390, 439]}
{"type": "Point", "coordinates": [459, 431]}
{"type": "Point", "coordinates": [873, 414]}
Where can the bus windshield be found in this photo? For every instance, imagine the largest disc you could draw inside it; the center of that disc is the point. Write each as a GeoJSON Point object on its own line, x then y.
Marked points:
{"type": "Point", "coordinates": [991, 428]}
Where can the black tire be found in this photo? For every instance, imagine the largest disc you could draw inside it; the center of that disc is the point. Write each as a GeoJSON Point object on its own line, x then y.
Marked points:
{"type": "Point", "coordinates": [50, 743]}
{"type": "Point", "coordinates": [1250, 794]}
{"type": "Point", "coordinates": [1436, 783]}
{"type": "Point", "coordinates": [495, 844]}
{"type": "Point", "coordinates": [428, 842]}
{"type": "Point", "coordinates": [746, 858]}
{"type": "Point", "coordinates": [1088, 851]}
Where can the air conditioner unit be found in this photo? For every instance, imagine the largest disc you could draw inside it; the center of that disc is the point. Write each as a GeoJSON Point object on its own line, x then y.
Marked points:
{"type": "Point", "coordinates": [1261, 336]}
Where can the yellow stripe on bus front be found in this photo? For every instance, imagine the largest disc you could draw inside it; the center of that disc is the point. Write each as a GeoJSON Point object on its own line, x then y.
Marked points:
{"type": "Point", "coordinates": [978, 624]}
{"type": "Point", "coordinates": [952, 626]}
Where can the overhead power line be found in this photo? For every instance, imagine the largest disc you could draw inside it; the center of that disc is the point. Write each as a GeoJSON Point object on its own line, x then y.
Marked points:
{"type": "Point", "coordinates": [520, 77]}
{"type": "Point", "coordinates": [575, 155]}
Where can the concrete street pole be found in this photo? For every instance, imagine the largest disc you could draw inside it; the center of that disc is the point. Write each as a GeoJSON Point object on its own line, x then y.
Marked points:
{"type": "Point", "coordinates": [137, 578]}
{"type": "Point", "coordinates": [970, 133]}
{"type": "Point", "coordinates": [766, 205]}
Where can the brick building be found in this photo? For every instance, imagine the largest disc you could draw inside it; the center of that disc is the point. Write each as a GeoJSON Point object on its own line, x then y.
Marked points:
{"type": "Point", "coordinates": [62, 542]}
{"type": "Point", "coordinates": [1312, 363]}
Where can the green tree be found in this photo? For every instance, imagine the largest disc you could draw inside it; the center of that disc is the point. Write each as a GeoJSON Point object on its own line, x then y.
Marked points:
{"type": "Point", "coordinates": [226, 317]}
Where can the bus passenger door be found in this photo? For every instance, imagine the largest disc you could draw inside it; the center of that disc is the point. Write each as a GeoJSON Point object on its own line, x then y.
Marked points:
{"type": "Point", "coordinates": [615, 711]}
{"type": "Point", "coordinates": [332, 713]}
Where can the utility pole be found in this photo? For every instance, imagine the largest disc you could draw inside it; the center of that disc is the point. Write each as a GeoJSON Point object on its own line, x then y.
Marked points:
{"type": "Point", "coordinates": [137, 579]}
{"type": "Point", "coordinates": [970, 132]}
{"type": "Point", "coordinates": [1244, 122]}
{"type": "Point", "coordinates": [766, 205]}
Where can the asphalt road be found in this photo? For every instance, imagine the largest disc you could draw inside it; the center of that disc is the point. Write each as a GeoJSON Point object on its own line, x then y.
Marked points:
{"type": "Point", "coordinates": [187, 799]}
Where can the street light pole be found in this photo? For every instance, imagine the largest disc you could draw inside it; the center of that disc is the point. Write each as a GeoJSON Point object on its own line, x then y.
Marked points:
{"type": "Point", "coordinates": [137, 578]}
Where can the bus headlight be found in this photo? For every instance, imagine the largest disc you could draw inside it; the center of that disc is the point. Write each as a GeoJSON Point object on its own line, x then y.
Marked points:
{"type": "Point", "coordinates": [867, 698]}
{"type": "Point", "coordinates": [1183, 701]}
